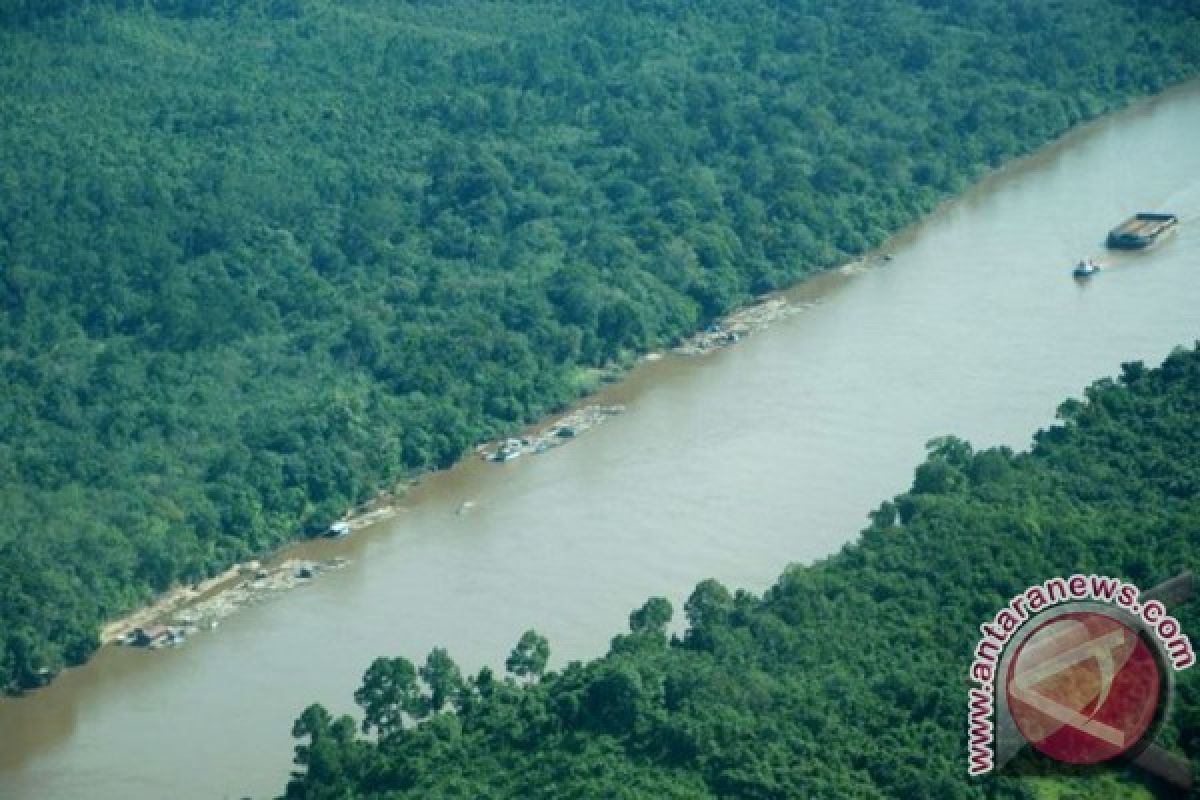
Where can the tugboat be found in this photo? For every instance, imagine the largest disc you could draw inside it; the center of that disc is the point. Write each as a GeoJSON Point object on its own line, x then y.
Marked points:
{"type": "Point", "coordinates": [1086, 268]}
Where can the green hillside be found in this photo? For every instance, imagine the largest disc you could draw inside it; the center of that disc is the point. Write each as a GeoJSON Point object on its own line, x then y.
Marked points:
{"type": "Point", "coordinates": [848, 678]}
{"type": "Point", "coordinates": [262, 258]}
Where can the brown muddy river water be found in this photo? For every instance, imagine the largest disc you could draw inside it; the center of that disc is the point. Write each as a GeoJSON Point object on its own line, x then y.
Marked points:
{"type": "Point", "coordinates": [729, 465]}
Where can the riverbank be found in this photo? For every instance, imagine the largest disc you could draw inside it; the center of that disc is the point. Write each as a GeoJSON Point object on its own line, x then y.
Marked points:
{"type": "Point", "coordinates": [178, 601]}
{"type": "Point", "coordinates": [732, 328]}
{"type": "Point", "coordinates": [167, 604]}
{"type": "Point", "coordinates": [553, 432]}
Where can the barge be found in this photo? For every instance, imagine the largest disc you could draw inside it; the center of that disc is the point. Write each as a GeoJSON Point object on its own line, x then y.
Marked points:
{"type": "Point", "coordinates": [1141, 230]}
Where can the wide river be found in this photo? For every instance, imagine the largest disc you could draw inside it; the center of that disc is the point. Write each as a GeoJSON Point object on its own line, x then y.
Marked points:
{"type": "Point", "coordinates": [729, 465]}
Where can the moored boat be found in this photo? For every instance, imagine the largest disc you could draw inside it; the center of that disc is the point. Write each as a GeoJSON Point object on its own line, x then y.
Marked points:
{"type": "Point", "coordinates": [508, 451]}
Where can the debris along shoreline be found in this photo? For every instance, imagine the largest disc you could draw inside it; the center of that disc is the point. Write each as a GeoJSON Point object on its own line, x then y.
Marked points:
{"type": "Point", "coordinates": [556, 434]}
{"type": "Point", "coordinates": [189, 608]}
{"type": "Point", "coordinates": [724, 332]}
{"type": "Point", "coordinates": [731, 328]}
{"type": "Point", "coordinates": [181, 598]}
{"type": "Point", "coordinates": [258, 584]}
{"type": "Point", "coordinates": [196, 612]}
{"type": "Point", "coordinates": [120, 629]}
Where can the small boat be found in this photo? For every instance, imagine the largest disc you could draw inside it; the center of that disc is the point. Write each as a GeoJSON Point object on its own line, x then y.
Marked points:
{"type": "Point", "coordinates": [155, 636]}
{"type": "Point", "coordinates": [508, 451]}
{"type": "Point", "coordinates": [337, 530]}
{"type": "Point", "coordinates": [1085, 268]}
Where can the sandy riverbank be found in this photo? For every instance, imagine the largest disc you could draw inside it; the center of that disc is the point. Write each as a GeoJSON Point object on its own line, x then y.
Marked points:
{"type": "Point", "coordinates": [734, 327]}
{"type": "Point", "coordinates": [167, 604]}
{"type": "Point", "coordinates": [176, 600]}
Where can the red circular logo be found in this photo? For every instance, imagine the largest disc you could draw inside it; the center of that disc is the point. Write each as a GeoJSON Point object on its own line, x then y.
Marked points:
{"type": "Point", "coordinates": [1083, 688]}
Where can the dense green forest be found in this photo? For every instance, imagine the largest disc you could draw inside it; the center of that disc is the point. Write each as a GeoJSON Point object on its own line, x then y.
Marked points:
{"type": "Point", "coordinates": [848, 678]}
{"type": "Point", "coordinates": [261, 258]}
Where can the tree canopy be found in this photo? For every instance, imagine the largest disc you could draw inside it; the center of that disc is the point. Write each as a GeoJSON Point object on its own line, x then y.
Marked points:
{"type": "Point", "coordinates": [260, 259]}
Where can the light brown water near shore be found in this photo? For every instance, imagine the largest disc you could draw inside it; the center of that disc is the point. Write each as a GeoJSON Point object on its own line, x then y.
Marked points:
{"type": "Point", "coordinates": [729, 465]}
